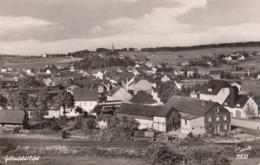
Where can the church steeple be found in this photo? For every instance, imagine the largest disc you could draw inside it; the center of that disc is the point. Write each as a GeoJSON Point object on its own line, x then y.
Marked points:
{"type": "Point", "coordinates": [112, 47]}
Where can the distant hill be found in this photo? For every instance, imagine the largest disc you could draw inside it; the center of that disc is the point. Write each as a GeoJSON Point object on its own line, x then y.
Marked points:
{"type": "Point", "coordinates": [196, 47]}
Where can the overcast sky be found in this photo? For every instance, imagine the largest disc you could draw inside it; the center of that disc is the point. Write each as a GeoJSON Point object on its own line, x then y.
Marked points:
{"type": "Point", "coordinates": [62, 26]}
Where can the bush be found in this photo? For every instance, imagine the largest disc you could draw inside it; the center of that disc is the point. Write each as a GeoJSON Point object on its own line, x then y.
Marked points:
{"type": "Point", "coordinates": [160, 154]}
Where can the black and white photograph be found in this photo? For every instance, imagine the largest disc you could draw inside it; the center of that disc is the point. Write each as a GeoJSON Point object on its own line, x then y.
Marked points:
{"type": "Point", "coordinates": [129, 82]}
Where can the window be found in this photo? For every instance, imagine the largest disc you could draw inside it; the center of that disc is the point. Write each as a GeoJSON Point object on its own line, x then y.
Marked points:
{"type": "Point", "coordinates": [185, 122]}
{"type": "Point", "coordinates": [192, 127]}
{"type": "Point", "coordinates": [217, 118]}
{"type": "Point", "coordinates": [225, 118]}
{"type": "Point", "coordinates": [217, 110]}
{"type": "Point", "coordinates": [225, 126]}
{"type": "Point", "coordinates": [209, 119]}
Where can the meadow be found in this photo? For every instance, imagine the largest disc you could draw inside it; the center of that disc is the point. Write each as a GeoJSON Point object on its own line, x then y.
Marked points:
{"type": "Point", "coordinates": [21, 62]}
{"type": "Point", "coordinates": [173, 57]}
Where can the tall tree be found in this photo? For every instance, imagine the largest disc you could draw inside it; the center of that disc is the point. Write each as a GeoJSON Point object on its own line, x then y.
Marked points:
{"type": "Point", "coordinates": [64, 99]}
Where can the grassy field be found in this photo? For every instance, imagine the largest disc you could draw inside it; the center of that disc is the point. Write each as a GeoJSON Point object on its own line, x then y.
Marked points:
{"type": "Point", "coordinates": [20, 62]}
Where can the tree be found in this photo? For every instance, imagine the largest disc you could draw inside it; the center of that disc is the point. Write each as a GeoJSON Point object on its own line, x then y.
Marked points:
{"type": "Point", "coordinates": [30, 81]}
{"type": "Point", "coordinates": [18, 100]}
{"type": "Point", "coordinates": [3, 101]}
{"type": "Point", "coordinates": [160, 154]}
{"type": "Point", "coordinates": [250, 111]}
{"type": "Point", "coordinates": [40, 104]}
{"type": "Point", "coordinates": [64, 99]}
{"type": "Point", "coordinates": [120, 128]}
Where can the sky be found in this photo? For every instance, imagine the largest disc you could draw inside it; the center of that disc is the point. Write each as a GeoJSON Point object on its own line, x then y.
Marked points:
{"type": "Point", "coordinates": [34, 27]}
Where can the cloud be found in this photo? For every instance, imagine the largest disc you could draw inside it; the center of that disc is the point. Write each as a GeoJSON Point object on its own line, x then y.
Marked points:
{"type": "Point", "coordinates": [126, 0]}
{"type": "Point", "coordinates": [10, 24]}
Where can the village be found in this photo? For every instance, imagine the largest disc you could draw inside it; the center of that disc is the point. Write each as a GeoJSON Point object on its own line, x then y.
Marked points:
{"type": "Point", "coordinates": [111, 97]}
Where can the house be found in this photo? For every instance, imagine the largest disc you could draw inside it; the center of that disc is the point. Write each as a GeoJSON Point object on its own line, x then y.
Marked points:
{"type": "Point", "coordinates": [86, 98]}
{"type": "Point", "coordinates": [141, 97]}
{"type": "Point", "coordinates": [159, 118]}
{"type": "Point", "coordinates": [145, 69]}
{"type": "Point", "coordinates": [201, 117]}
{"type": "Point", "coordinates": [237, 84]}
{"type": "Point", "coordinates": [228, 58]}
{"type": "Point", "coordinates": [98, 74]}
{"type": "Point", "coordinates": [71, 88]}
{"type": "Point", "coordinates": [215, 90]}
{"type": "Point", "coordinates": [240, 106]}
{"type": "Point", "coordinates": [53, 113]}
{"type": "Point", "coordinates": [143, 85]}
{"type": "Point", "coordinates": [119, 93]}
{"type": "Point", "coordinates": [12, 118]}
{"type": "Point", "coordinates": [192, 72]}
{"type": "Point", "coordinates": [165, 78]}
{"type": "Point", "coordinates": [47, 81]}
{"type": "Point", "coordinates": [44, 55]}
{"type": "Point", "coordinates": [186, 63]}
{"type": "Point", "coordinates": [241, 58]}
{"type": "Point", "coordinates": [216, 74]}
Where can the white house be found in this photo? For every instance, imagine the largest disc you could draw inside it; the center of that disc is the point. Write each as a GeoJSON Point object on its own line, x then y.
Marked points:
{"type": "Point", "coordinates": [241, 58]}
{"type": "Point", "coordinates": [215, 90]}
{"type": "Point", "coordinates": [165, 78]}
{"type": "Point", "coordinates": [98, 74]}
{"type": "Point", "coordinates": [86, 98]}
{"type": "Point", "coordinates": [240, 106]}
{"type": "Point", "coordinates": [228, 58]}
{"type": "Point", "coordinates": [119, 93]}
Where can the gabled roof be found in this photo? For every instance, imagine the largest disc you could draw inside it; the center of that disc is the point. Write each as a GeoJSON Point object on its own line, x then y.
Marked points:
{"type": "Point", "coordinates": [190, 105]}
{"type": "Point", "coordinates": [216, 72]}
{"type": "Point", "coordinates": [143, 110]}
{"type": "Point", "coordinates": [215, 86]}
{"type": "Point", "coordinates": [116, 89]}
{"type": "Point", "coordinates": [12, 116]}
{"type": "Point", "coordinates": [85, 94]}
{"type": "Point", "coordinates": [241, 101]}
{"type": "Point", "coordinates": [142, 98]}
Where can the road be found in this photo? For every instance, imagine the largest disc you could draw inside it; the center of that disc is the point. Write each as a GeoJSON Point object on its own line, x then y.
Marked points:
{"type": "Point", "coordinates": [72, 143]}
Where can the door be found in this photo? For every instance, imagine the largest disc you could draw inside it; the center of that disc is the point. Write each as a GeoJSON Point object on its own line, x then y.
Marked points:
{"type": "Point", "coordinates": [238, 114]}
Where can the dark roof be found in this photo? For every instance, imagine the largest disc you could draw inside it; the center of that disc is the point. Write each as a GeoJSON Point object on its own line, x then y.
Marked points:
{"type": "Point", "coordinates": [216, 72]}
{"type": "Point", "coordinates": [143, 110]}
{"type": "Point", "coordinates": [190, 105]}
{"type": "Point", "coordinates": [30, 90]}
{"type": "Point", "coordinates": [215, 85]}
{"type": "Point", "coordinates": [85, 94]}
{"type": "Point", "coordinates": [12, 116]}
{"type": "Point", "coordinates": [143, 97]}
{"type": "Point", "coordinates": [241, 100]}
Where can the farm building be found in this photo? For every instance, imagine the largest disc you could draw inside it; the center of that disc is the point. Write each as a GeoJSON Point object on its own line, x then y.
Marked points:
{"type": "Point", "coordinates": [12, 118]}
{"type": "Point", "coordinates": [160, 118]}
{"type": "Point", "coordinates": [201, 117]}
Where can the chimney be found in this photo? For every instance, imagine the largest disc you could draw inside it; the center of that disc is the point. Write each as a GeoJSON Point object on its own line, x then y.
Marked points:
{"type": "Point", "coordinates": [233, 96]}
{"type": "Point", "coordinates": [203, 103]}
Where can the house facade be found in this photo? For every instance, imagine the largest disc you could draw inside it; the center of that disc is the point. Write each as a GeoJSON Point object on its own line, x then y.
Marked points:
{"type": "Point", "coordinates": [119, 93]}
{"type": "Point", "coordinates": [86, 98]}
{"type": "Point", "coordinates": [201, 117]}
{"type": "Point", "coordinates": [215, 91]}
{"type": "Point", "coordinates": [241, 106]}
{"type": "Point", "coordinates": [159, 118]}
